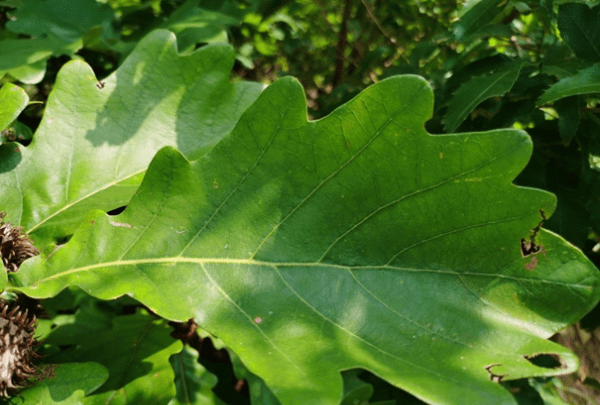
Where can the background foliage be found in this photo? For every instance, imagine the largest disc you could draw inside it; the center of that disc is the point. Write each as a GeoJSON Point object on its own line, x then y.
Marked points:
{"type": "Point", "coordinates": [492, 64]}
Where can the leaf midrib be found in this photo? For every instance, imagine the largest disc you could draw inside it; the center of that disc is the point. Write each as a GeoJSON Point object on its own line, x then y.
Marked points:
{"type": "Point", "coordinates": [251, 262]}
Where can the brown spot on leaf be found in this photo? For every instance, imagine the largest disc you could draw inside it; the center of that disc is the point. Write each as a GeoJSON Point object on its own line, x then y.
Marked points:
{"type": "Point", "coordinates": [531, 265]}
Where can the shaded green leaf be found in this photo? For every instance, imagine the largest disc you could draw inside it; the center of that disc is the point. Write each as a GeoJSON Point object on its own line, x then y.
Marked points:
{"type": "Point", "coordinates": [580, 28]}
{"type": "Point", "coordinates": [356, 391]}
{"type": "Point", "coordinates": [13, 100]}
{"type": "Point", "coordinates": [96, 140]}
{"type": "Point", "coordinates": [193, 25]}
{"type": "Point", "coordinates": [549, 391]}
{"type": "Point", "coordinates": [584, 82]}
{"type": "Point", "coordinates": [193, 382]}
{"type": "Point", "coordinates": [31, 73]}
{"type": "Point", "coordinates": [476, 90]}
{"type": "Point", "coordinates": [355, 241]}
{"type": "Point", "coordinates": [25, 58]}
{"type": "Point", "coordinates": [68, 20]}
{"type": "Point", "coordinates": [135, 351]}
{"type": "Point", "coordinates": [22, 132]}
{"type": "Point", "coordinates": [565, 69]}
{"type": "Point", "coordinates": [67, 385]}
{"type": "Point", "coordinates": [474, 15]}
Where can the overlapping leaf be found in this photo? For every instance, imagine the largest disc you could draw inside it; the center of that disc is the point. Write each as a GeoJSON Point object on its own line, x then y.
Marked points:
{"type": "Point", "coordinates": [584, 82]}
{"type": "Point", "coordinates": [194, 383]}
{"type": "Point", "coordinates": [57, 27]}
{"type": "Point", "coordinates": [194, 25]}
{"type": "Point", "coordinates": [97, 138]}
{"type": "Point", "coordinates": [355, 241]}
{"type": "Point", "coordinates": [67, 384]}
{"type": "Point", "coordinates": [136, 352]}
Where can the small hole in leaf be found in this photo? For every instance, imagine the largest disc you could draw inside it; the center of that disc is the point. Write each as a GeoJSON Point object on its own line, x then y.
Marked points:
{"type": "Point", "coordinates": [546, 360]}
{"type": "Point", "coordinates": [493, 376]}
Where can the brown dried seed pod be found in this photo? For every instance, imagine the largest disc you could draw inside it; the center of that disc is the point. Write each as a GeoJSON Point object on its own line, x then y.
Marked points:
{"type": "Point", "coordinates": [15, 246]}
{"type": "Point", "coordinates": [16, 348]}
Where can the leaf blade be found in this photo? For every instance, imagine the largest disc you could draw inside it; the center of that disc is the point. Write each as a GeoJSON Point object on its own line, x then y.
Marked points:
{"type": "Point", "coordinates": [13, 100]}
{"type": "Point", "coordinates": [578, 25]}
{"type": "Point", "coordinates": [95, 142]}
{"type": "Point", "coordinates": [585, 81]}
{"type": "Point", "coordinates": [355, 241]}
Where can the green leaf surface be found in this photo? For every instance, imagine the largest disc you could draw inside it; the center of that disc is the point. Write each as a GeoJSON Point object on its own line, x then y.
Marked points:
{"type": "Point", "coordinates": [194, 383]}
{"type": "Point", "coordinates": [194, 25]}
{"type": "Point", "coordinates": [95, 141]}
{"type": "Point", "coordinates": [68, 385]}
{"type": "Point", "coordinates": [580, 28]}
{"type": "Point", "coordinates": [568, 118]}
{"type": "Point", "coordinates": [474, 15]}
{"type": "Point", "coordinates": [584, 82]}
{"type": "Point", "coordinates": [355, 241]}
{"type": "Point", "coordinates": [356, 391]}
{"type": "Point", "coordinates": [136, 353]}
{"type": "Point", "coordinates": [476, 90]}
{"type": "Point", "coordinates": [13, 100]}
{"type": "Point", "coordinates": [67, 20]}
{"type": "Point", "coordinates": [30, 74]}
{"type": "Point", "coordinates": [24, 59]}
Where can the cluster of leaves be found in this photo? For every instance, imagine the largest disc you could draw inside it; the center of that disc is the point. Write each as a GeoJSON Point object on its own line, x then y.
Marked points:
{"type": "Point", "coordinates": [335, 261]}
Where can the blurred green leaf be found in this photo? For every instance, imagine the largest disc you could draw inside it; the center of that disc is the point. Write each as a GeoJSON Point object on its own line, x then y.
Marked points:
{"type": "Point", "coordinates": [26, 58]}
{"type": "Point", "coordinates": [193, 26]}
{"type": "Point", "coordinates": [67, 20]}
{"type": "Point", "coordinates": [476, 90]}
{"type": "Point", "coordinates": [135, 351]}
{"type": "Point", "coordinates": [474, 15]}
{"type": "Point", "coordinates": [584, 82]}
{"type": "Point", "coordinates": [568, 117]}
{"type": "Point", "coordinates": [193, 382]}
{"type": "Point", "coordinates": [580, 28]}
{"type": "Point", "coordinates": [356, 391]}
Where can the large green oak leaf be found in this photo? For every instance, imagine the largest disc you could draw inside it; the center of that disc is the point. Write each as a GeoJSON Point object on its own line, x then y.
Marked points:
{"type": "Point", "coordinates": [355, 241]}
{"type": "Point", "coordinates": [96, 139]}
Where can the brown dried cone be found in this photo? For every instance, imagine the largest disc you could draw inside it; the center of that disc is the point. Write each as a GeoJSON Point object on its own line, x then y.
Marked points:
{"type": "Point", "coordinates": [15, 246]}
{"type": "Point", "coordinates": [16, 348]}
